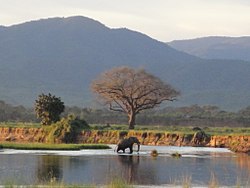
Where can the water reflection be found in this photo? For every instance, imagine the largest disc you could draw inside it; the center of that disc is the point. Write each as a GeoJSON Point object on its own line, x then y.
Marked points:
{"type": "Point", "coordinates": [243, 162]}
{"type": "Point", "coordinates": [49, 168]}
{"type": "Point", "coordinates": [137, 169]}
{"type": "Point", "coordinates": [129, 166]}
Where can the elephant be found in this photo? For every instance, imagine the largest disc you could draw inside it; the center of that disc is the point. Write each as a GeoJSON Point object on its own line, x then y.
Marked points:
{"type": "Point", "coordinates": [199, 137]}
{"type": "Point", "coordinates": [128, 143]}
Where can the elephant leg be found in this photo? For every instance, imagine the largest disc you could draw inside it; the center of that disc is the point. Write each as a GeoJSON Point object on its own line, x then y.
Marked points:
{"type": "Point", "coordinates": [118, 149]}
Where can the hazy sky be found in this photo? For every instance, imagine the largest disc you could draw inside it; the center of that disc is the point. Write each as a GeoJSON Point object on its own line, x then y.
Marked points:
{"type": "Point", "coordinates": [164, 20]}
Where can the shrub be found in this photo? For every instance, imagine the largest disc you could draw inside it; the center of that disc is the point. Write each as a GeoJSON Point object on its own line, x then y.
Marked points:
{"type": "Point", "coordinates": [67, 130]}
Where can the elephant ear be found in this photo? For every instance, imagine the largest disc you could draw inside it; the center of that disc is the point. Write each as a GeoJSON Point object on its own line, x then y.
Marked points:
{"type": "Point", "coordinates": [131, 139]}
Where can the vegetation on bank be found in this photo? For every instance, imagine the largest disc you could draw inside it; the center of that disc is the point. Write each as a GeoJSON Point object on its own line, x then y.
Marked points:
{"type": "Point", "coordinates": [205, 116]}
{"type": "Point", "coordinates": [66, 130]}
{"type": "Point", "coordinates": [184, 182]}
{"type": "Point", "coordinates": [123, 127]}
{"type": "Point", "coordinates": [42, 146]}
{"type": "Point", "coordinates": [116, 183]}
{"type": "Point", "coordinates": [20, 124]}
{"type": "Point", "coordinates": [177, 129]}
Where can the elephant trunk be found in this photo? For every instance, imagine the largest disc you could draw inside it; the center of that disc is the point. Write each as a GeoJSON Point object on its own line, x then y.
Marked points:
{"type": "Point", "coordinates": [138, 147]}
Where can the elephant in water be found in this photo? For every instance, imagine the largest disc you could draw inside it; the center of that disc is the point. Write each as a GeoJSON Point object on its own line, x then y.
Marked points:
{"type": "Point", "coordinates": [128, 143]}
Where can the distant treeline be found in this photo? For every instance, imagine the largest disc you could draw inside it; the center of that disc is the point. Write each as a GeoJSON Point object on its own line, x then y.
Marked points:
{"type": "Point", "coordinates": [16, 113]}
{"type": "Point", "coordinates": [191, 116]}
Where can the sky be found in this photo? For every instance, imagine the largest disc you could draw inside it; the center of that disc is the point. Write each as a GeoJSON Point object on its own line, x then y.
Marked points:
{"type": "Point", "coordinates": [164, 20]}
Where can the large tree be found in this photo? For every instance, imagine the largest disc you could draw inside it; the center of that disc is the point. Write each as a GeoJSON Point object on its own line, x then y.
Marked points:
{"type": "Point", "coordinates": [48, 108]}
{"type": "Point", "coordinates": [131, 91]}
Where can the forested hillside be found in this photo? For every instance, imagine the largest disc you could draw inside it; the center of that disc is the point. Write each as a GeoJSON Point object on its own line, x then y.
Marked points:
{"type": "Point", "coordinates": [63, 55]}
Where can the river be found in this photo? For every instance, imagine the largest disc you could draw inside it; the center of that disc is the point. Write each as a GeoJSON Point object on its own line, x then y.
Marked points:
{"type": "Point", "coordinates": [198, 166]}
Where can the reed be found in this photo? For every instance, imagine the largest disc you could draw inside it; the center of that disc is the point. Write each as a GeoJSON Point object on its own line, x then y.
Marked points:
{"type": "Point", "coordinates": [214, 183]}
{"type": "Point", "coordinates": [118, 183]}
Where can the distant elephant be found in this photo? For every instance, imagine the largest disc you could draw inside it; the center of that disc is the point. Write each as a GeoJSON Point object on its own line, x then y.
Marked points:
{"type": "Point", "coordinates": [199, 137]}
{"type": "Point", "coordinates": [128, 143]}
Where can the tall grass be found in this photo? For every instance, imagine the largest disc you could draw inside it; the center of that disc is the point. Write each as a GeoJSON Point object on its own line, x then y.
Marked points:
{"type": "Point", "coordinates": [116, 183]}
{"type": "Point", "coordinates": [184, 182]}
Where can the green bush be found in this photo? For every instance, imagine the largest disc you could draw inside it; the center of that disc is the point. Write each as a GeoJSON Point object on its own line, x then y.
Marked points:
{"type": "Point", "coordinates": [48, 108]}
{"type": "Point", "coordinates": [67, 130]}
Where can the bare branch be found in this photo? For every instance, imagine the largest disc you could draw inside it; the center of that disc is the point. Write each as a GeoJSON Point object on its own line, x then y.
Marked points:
{"type": "Point", "coordinates": [131, 91]}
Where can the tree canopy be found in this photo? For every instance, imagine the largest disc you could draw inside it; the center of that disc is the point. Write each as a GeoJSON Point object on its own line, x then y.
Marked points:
{"type": "Point", "coordinates": [131, 91]}
{"type": "Point", "coordinates": [48, 108]}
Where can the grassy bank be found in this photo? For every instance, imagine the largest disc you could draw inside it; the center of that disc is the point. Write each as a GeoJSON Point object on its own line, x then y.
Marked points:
{"type": "Point", "coordinates": [20, 125]}
{"type": "Point", "coordinates": [41, 146]}
{"type": "Point", "coordinates": [171, 129]}
{"type": "Point", "coordinates": [179, 129]}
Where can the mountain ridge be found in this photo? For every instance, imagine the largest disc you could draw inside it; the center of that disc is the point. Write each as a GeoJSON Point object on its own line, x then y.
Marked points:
{"type": "Point", "coordinates": [215, 47]}
{"type": "Point", "coordinates": [63, 55]}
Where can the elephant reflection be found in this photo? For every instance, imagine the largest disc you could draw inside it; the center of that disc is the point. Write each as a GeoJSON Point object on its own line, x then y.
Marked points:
{"type": "Point", "coordinates": [129, 167]}
{"type": "Point", "coordinates": [48, 169]}
{"type": "Point", "coordinates": [137, 169]}
{"type": "Point", "coordinates": [128, 143]}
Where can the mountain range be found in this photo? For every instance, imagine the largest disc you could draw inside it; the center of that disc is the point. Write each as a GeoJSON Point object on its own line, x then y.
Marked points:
{"type": "Point", "coordinates": [63, 56]}
{"type": "Point", "coordinates": [215, 47]}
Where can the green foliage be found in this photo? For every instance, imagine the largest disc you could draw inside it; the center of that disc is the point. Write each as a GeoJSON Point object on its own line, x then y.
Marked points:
{"type": "Point", "coordinates": [42, 146]}
{"type": "Point", "coordinates": [67, 130]}
{"type": "Point", "coordinates": [48, 108]}
{"type": "Point", "coordinates": [20, 125]}
{"type": "Point", "coordinates": [195, 116]}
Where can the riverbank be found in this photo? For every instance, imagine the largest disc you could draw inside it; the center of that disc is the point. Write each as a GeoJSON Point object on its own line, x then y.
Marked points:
{"type": "Point", "coordinates": [44, 146]}
{"type": "Point", "coordinates": [237, 143]}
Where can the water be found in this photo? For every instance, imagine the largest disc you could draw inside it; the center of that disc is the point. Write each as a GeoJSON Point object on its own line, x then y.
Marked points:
{"type": "Point", "coordinates": [197, 165]}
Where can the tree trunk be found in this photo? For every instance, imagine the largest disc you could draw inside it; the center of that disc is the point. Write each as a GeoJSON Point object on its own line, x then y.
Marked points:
{"type": "Point", "coordinates": [131, 120]}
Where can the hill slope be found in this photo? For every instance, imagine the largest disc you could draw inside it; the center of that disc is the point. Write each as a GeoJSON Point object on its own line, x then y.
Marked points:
{"type": "Point", "coordinates": [215, 47]}
{"type": "Point", "coordinates": [63, 55]}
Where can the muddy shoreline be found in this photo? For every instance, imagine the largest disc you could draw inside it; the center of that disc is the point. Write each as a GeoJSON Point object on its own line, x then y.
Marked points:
{"type": "Point", "coordinates": [237, 143]}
